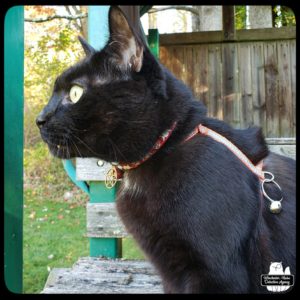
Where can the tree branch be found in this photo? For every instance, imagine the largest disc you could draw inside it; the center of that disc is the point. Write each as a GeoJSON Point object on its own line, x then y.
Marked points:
{"type": "Point", "coordinates": [178, 7]}
{"type": "Point", "coordinates": [68, 10]}
{"type": "Point", "coordinates": [50, 18]}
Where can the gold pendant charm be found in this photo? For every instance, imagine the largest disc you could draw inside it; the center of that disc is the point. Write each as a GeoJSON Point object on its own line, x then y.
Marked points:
{"type": "Point", "coordinates": [111, 177]}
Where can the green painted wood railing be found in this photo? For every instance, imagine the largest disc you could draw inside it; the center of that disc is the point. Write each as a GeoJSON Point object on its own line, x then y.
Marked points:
{"type": "Point", "coordinates": [13, 147]}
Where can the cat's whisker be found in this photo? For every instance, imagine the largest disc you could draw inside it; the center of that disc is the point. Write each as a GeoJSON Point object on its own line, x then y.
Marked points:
{"type": "Point", "coordinates": [76, 147]}
{"type": "Point", "coordinates": [67, 149]}
{"type": "Point", "coordinates": [133, 122]}
{"type": "Point", "coordinates": [114, 146]}
{"type": "Point", "coordinates": [76, 129]}
{"type": "Point", "coordinates": [81, 141]}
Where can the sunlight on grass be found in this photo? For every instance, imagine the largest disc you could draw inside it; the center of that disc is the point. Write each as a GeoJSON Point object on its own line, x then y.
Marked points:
{"type": "Point", "coordinates": [54, 236]}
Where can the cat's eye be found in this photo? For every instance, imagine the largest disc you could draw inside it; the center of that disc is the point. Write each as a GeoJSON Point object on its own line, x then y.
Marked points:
{"type": "Point", "coordinates": [76, 92]}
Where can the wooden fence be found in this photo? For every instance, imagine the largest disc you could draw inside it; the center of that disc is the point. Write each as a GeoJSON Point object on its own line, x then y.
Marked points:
{"type": "Point", "coordinates": [249, 81]}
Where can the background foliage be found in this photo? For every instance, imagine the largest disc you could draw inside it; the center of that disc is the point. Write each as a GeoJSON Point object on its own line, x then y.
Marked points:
{"type": "Point", "coordinates": [54, 208]}
{"type": "Point", "coordinates": [50, 47]}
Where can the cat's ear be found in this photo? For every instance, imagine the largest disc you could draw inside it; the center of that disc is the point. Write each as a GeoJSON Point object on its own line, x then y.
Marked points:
{"type": "Point", "coordinates": [123, 41]}
{"type": "Point", "coordinates": [88, 49]}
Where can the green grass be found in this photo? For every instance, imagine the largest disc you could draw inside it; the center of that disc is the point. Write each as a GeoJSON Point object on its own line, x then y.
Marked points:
{"type": "Point", "coordinates": [130, 250]}
{"type": "Point", "coordinates": [54, 236]}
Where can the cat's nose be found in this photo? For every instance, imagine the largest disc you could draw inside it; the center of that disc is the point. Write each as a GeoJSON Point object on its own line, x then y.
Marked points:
{"type": "Point", "coordinates": [40, 120]}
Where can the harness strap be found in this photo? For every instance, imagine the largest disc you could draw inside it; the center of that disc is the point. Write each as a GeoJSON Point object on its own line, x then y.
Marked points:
{"type": "Point", "coordinates": [200, 129]}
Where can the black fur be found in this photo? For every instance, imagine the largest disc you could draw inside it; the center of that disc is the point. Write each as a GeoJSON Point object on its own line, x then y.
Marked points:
{"type": "Point", "coordinates": [194, 208]}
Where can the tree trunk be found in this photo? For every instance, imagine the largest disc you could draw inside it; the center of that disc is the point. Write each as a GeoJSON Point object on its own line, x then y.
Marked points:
{"type": "Point", "coordinates": [152, 19]}
{"type": "Point", "coordinates": [210, 18]}
{"type": "Point", "coordinates": [196, 19]}
{"type": "Point", "coordinates": [84, 23]}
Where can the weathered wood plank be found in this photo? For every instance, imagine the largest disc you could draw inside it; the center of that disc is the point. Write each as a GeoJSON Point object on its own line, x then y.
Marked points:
{"type": "Point", "coordinates": [191, 38]}
{"type": "Point", "coordinates": [281, 141]}
{"type": "Point", "coordinates": [102, 276]}
{"type": "Point", "coordinates": [190, 66]}
{"type": "Point", "coordinates": [195, 82]}
{"type": "Point", "coordinates": [103, 221]}
{"type": "Point", "coordinates": [258, 85]}
{"type": "Point", "coordinates": [215, 105]}
{"type": "Point", "coordinates": [89, 169]}
{"type": "Point", "coordinates": [229, 32]}
{"type": "Point", "coordinates": [285, 89]}
{"type": "Point", "coordinates": [266, 34]}
{"type": "Point", "coordinates": [166, 57]}
{"type": "Point", "coordinates": [271, 81]}
{"type": "Point", "coordinates": [283, 146]}
{"type": "Point", "coordinates": [286, 150]}
{"type": "Point", "coordinates": [163, 52]}
{"type": "Point", "coordinates": [201, 65]}
{"type": "Point", "coordinates": [230, 82]}
{"type": "Point", "coordinates": [177, 62]}
{"type": "Point", "coordinates": [244, 56]}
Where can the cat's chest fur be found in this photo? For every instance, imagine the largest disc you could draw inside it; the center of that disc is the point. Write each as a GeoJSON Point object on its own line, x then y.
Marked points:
{"type": "Point", "coordinates": [136, 205]}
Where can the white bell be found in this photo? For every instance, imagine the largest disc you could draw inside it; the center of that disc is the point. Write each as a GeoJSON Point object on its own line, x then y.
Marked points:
{"type": "Point", "coordinates": [275, 207]}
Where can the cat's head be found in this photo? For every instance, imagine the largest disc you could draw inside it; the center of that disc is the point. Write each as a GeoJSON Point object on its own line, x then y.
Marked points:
{"type": "Point", "coordinates": [108, 99]}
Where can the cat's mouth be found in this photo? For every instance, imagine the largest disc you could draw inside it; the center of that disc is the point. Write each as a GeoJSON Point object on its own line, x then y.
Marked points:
{"type": "Point", "coordinates": [59, 145]}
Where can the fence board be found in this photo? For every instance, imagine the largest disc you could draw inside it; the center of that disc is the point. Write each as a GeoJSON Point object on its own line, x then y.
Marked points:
{"type": "Point", "coordinates": [245, 85]}
{"type": "Point", "coordinates": [164, 55]}
{"type": "Point", "coordinates": [188, 62]}
{"type": "Point", "coordinates": [201, 63]}
{"type": "Point", "coordinates": [230, 89]}
{"type": "Point", "coordinates": [208, 37]}
{"type": "Point", "coordinates": [271, 81]}
{"type": "Point", "coordinates": [258, 85]}
{"type": "Point", "coordinates": [284, 89]}
{"type": "Point", "coordinates": [215, 105]}
{"type": "Point", "coordinates": [178, 66]}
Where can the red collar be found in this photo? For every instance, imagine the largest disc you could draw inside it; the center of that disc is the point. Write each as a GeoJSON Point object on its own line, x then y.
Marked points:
{"type": "Point", "coordinates": [159, 143]}
{"type": "Point", "coordinates": [117, 170]}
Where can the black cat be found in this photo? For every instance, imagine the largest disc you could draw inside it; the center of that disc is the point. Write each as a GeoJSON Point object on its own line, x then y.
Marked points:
{"type": "Point", "coordinates": [194, 208]}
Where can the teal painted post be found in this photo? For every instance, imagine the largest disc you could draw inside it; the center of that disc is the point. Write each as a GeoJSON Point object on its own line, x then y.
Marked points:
{"type": "Point", "coordinates": [98, 36]}
{"type": "Point", "coordinates": [98, 33]}
{"type": "Point", "coordinates": [13, 147]}
{"type": "Point", "coordinates": [71, 171]}
{"type": "Point", "coordinates": [153, 41]}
